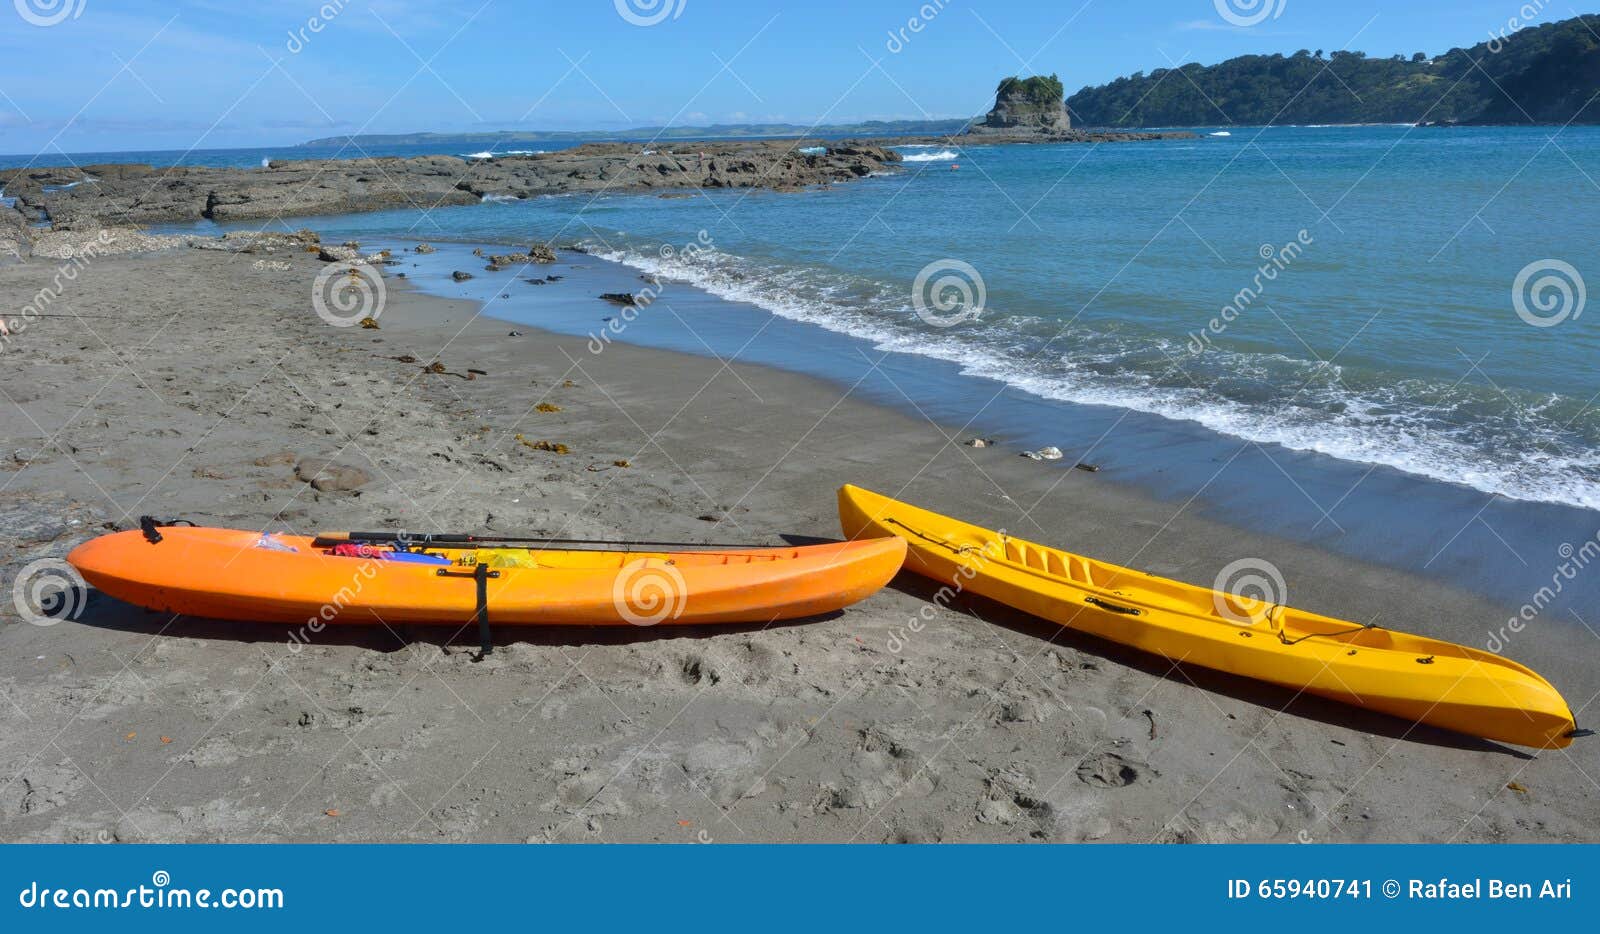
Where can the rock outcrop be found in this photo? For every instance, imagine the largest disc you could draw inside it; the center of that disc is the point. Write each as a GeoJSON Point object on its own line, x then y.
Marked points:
{"type": "Point", "coordinates": [96, 196]}
{"type": "Point", "coordinates": [14, 235]}
{"type": "Point", "coordinates": [72, 198]}
{"type": "Point", "coordinates": [1027, 106]}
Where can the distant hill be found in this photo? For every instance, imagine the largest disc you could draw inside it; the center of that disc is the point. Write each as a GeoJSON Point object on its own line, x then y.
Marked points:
{"type": "Point", "coordinates": [507, 138]}
{"type": "Point", "coordinates": [1540, 74]}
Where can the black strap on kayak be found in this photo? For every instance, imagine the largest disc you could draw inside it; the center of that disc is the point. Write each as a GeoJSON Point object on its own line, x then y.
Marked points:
{"type": "Point", "coordinates": [938, 540]}
{"type": "Point", "coordinates": [1579, 733]}
{"type": "Point", "coordinates": [149, 525]}
{"type": "Point", "coordinates": [1362, 627]}
{"type": "Point", "coordinates": [480, 574]}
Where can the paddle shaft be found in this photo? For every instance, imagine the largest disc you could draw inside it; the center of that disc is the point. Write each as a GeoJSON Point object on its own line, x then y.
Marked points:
{"type": "Point", "coordinates": [329, 539]}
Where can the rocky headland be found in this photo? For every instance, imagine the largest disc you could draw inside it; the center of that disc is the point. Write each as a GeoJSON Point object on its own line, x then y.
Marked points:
{"type": "Point", "coordinates": [1033, 110]}
{"type": "Point", "coordinates": [94, 196]}
{"type": "Point", "coordinates": [1027, 106]}
{"type": "Point", "coordinates": [98, 195]}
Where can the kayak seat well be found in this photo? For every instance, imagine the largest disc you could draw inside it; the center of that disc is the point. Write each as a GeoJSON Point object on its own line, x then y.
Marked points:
{"type": "Point", "coordinates": [1055, 563]}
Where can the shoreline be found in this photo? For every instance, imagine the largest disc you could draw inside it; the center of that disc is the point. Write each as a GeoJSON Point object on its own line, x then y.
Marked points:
{"type": "Point", "coordinates": [978, 726]}
{"type": "Point", "coordinates": [1501, 548]}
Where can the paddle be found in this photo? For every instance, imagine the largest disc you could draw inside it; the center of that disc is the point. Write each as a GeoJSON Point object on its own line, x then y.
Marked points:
{"type": "Point", "coordinates": [330, 539]}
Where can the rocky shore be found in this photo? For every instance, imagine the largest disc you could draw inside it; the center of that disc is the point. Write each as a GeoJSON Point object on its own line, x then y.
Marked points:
{"type": "Point", "coordinates": [95, 195]}
{"type": "Point", "coordinates": [92, 196]}
{"type": "Point", "coordinates": [143, 194]}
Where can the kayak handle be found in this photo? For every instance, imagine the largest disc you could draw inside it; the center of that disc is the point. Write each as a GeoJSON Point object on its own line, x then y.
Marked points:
{"type": "Point", "coordinates": [148, 526]}
{"type": "Point", "coordinates": [1114, 607]}
{"type": "Point", "coordinates": [448, 572]}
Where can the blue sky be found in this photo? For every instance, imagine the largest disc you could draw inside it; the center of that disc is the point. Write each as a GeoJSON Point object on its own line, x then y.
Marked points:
{"type": "Point", "coordinates": [223, 73]}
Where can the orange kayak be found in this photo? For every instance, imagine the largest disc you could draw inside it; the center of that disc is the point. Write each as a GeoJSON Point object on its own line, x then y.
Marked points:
{"type": "Point", "coordinates": [243, 575]}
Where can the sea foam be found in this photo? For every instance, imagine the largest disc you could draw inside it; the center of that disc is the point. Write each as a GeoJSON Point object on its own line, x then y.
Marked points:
{"type": "Point", "coordinates": [1384, 427]}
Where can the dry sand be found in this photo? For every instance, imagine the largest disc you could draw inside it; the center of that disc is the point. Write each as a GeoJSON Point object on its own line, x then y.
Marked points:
{"type": "Point", "coordinates": [206, 376]}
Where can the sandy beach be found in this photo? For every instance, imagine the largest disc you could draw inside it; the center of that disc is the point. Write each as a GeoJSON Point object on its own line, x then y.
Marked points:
{"type": "Point", "coordinates": [186, 383]}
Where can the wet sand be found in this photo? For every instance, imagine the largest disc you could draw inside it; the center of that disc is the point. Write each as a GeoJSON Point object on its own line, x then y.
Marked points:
{"type": "Point", "coordinates": [192, 383]}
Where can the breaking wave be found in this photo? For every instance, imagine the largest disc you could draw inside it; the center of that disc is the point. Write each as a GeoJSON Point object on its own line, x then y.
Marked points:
{"type": "Point", "coordinates": [1517, 446]}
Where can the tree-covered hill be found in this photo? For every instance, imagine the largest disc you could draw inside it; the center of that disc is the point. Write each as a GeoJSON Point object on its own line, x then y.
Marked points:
{"type": "Point", "coordinates": [1541, 74]}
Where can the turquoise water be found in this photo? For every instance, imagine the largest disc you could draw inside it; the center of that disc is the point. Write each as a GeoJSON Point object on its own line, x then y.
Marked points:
{"type": "Point", "coordinates": [1383, 328]}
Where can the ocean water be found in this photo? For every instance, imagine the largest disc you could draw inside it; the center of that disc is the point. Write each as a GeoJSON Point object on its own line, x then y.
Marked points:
{"type": "Point", "coordinates": [1407, 298]}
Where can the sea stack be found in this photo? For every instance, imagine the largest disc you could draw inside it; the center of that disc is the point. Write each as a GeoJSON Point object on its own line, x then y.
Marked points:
{"type": "Point", "coordinates": [1027, 107]}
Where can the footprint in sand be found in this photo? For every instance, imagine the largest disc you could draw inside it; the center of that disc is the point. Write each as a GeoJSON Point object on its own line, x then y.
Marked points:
{"type": "Point", "coordinates": [1109, 770]}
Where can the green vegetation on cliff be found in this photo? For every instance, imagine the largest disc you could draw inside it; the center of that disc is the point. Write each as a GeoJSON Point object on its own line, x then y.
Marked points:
{"type": "Point", "coordinates": [1541, 74]}
{"type": "Point", "coordinates": [1038, 89]}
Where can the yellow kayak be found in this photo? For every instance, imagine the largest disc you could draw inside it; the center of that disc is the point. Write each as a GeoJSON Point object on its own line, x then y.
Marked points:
{"type": "Point", "coordinates": [1413, 677]}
